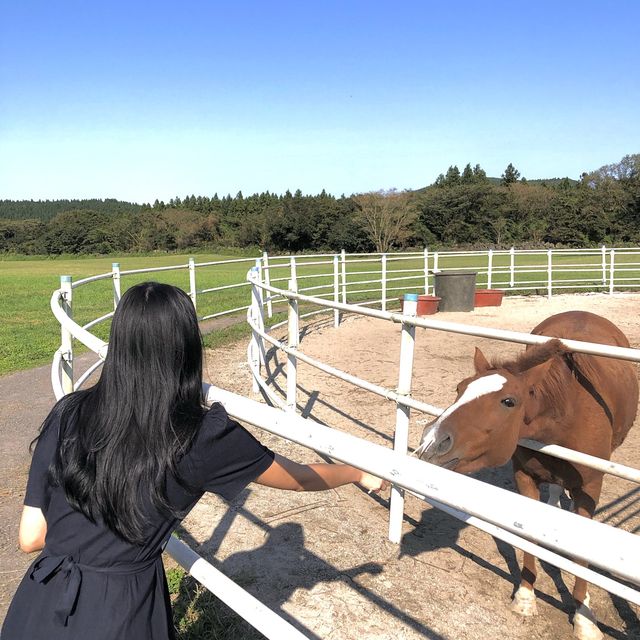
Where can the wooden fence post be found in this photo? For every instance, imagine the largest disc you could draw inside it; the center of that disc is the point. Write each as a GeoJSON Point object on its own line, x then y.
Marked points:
{"type": "Point", "coordinates": [254, 349]}
{"type": "Point", "coordinates": [193, 293]}
{"type": "Point", "coordinates": [336, 290]}
{"type": "Point", "coordinates": [612, 270]}
{"type": "Point", "coordinates": [343, 260]}
{"type": "Point", "coordinates": [549, 273]}
{"type": "Point", "coordinates": [426, 271]}
{"type": "Point", "coordinates": [294, 341]}
{"type": "Point", "coordinates": [383, 277]}
{"type": "Point", "coordinates": [115, 274]}
{"type": "Point", "coordinates": [512, 266]}
{"type": "Point", "coordinates": [401, 437]}
{"type": "Point", "coordinates": [489, 268]}
{"type": "Point", "coordinates": [267, 281]}
{"type": "Point", "coordinates": [66, 341]}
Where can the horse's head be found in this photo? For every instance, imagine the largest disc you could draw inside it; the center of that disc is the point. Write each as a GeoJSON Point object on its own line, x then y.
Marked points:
{"type": "Point", "coordinates": [481, 428]}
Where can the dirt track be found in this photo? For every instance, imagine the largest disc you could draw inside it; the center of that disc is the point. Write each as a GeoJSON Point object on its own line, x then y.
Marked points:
{"type": "Point", "coordinates": [324, 559]}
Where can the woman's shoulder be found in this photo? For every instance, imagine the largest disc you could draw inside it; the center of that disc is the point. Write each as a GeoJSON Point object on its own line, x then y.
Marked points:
{"type": "Point", "coordinates": [216, 424]}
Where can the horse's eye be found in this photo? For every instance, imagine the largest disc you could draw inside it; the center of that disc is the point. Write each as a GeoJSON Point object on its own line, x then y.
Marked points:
{"type": "Point", "coordinates": [508, 402]}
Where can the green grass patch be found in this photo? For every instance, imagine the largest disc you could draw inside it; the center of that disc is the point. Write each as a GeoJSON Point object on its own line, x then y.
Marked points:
{"type": "Point", "coordinates": [199, 615]}
{"type": "Point", "coordinates": [29, 334]}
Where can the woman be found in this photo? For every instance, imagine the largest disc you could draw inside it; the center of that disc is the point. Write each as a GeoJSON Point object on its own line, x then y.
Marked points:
{"type": "Point", "coordinates": [117, 466]}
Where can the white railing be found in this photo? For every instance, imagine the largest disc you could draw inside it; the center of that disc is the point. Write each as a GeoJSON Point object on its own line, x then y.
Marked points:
{"type": "Point", "coordinates": [351, 277]}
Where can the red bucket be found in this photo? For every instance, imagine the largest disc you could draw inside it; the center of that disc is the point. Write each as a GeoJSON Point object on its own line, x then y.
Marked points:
{"type": "Point", "coordinates": [488, 298]}
{"type": "Point", "coordinates": [427, 305]}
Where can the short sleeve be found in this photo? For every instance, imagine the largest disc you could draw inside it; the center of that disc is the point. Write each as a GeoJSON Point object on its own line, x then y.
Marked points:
{"type": "Point", "coordinates": [38, 487]}
{"type": "Point", "coordinates": [225, 457]}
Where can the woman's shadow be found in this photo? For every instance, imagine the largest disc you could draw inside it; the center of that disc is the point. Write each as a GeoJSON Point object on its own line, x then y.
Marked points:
{"type": "Point", "coordinates": [283, 562]}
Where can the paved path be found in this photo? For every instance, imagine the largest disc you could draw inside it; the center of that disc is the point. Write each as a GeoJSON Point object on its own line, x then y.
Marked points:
{"type": "Point", "coordinates": [25, 400]}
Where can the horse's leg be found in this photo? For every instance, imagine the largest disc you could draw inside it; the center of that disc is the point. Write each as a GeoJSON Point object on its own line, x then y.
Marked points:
{"type": "Point", "coordinates": [585, 624]}
{"type": "Point", "coordinates": [524, 601]}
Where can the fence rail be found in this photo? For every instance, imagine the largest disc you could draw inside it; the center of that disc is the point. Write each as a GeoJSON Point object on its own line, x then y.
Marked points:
{"type": "Point", "coordinates": [352, 285]}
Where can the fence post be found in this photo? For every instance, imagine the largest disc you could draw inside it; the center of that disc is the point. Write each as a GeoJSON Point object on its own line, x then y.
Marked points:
{"type": "Point", "coordinates": [512, 266]}
{"type": "Point", "coordinates": [257, 307]}
{"type": "Point", "coordinates": [343, 260]}
{"type": "Point", "coordinates": [192, 282]}
{"type": "Point", "coordinates": [267, 281]}
{"type": "Point", "coordinates": [401, 436]}
{"type": "Point", "coordinates": [612, 259]}
{"type": "Point", "coordinates": [426, 271]}
{"type": "Point", "coordinates": [604, 265]}
{"type": "Point", "coordinates": [435, 262]}
{"type": "Point", "coordinates": [489, 268]}
{"type": "Point", "coordinates": [336, 290]}
{"type": "Point", "coordinates": [115, 274]}
{"type": "Point", "coordinates": [549, 273]}
{"type": "Point", "coordinates": [383, 276]}
{"type": "Point", "coordinates": [254, 350]}
{"type": "Point", "coordinates": [66, 341]}
{"type": "Point", "coordinates": [294, 341]}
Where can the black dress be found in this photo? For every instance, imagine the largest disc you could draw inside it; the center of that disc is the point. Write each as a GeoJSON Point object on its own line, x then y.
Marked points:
{"type": "Point", "coordinates": [87, 582]}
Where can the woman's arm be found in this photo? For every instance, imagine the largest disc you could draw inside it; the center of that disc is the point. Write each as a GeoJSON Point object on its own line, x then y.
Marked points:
{"type": "Point", "coordinates": [33, 529]}
{"type": "Point", "coordinates": [286, 474]}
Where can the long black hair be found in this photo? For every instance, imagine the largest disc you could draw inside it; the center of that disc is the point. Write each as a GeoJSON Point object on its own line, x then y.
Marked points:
{"type": "Point", "coordinates": [120, 438]}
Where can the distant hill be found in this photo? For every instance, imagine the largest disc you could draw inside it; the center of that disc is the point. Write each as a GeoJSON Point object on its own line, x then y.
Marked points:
{"type": "Point", "coordinates": [46, 209]}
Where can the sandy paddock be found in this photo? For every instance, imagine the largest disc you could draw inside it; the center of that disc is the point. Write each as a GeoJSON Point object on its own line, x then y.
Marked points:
{"type": "Point", "coordinates": [323, 559]}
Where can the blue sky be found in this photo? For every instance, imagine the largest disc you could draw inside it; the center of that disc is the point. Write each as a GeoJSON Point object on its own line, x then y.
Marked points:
{"type": "Point", "coordinates": [146, 100]}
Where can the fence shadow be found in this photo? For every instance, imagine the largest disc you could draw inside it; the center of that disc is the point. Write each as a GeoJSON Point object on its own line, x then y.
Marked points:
{"type": "Point", "coordinates": [296, 568]}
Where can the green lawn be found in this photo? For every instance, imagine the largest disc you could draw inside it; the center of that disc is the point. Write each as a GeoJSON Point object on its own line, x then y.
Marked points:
{"type": "Point", "coordinates": [29, 334]}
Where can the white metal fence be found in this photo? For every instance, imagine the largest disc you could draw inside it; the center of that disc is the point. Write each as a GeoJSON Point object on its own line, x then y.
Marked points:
{"type": "Point", "coordinates": [343, 283]}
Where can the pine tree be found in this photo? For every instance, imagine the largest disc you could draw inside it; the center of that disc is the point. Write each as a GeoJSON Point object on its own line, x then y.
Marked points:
{"type": "Point", "coordinates": [510, 175]}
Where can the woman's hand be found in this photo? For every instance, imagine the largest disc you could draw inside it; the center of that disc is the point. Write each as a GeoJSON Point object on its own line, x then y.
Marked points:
{"type": "Point", "coordinates": [372, 483]}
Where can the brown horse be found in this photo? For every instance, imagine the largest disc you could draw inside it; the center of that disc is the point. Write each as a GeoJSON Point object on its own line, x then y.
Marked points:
{"type": "Point", "coordinates": [583, 402]}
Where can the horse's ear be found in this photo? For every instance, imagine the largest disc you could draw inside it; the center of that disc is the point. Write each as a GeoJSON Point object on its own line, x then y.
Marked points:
{"type": "Point", "coordinates": [536, 374]}
{"type": "Point", "coordinates": [480, 362]}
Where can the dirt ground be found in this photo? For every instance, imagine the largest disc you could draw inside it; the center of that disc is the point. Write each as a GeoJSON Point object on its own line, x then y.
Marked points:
{"type": "Point", "coordinates": [323, 559]}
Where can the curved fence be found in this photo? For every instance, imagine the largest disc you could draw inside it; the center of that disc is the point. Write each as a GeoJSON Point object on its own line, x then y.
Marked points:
{"type": "Point", "coordinates": [356, 283]}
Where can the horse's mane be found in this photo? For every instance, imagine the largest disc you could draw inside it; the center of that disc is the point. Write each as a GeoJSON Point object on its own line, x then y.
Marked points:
{"type": "Point", "coordinates": [552, 389]}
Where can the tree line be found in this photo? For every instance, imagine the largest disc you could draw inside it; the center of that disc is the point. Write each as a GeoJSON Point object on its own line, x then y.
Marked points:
{"type": "Point", "coordinates": [461, 208]}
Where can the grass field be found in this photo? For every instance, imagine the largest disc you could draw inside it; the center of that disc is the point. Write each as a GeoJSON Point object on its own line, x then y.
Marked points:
{"type": "Point", "coordinates": [29, 334]}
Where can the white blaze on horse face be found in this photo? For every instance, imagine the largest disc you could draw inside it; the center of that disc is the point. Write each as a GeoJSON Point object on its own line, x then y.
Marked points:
{"type": "Point", "coordinates": [478, 388]}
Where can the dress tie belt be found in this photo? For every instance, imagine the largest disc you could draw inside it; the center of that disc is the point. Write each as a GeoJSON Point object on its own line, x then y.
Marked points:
{"type": "Point", "coordinates": [49, 565]}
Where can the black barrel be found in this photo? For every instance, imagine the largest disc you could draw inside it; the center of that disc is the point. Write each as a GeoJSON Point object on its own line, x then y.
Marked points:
{"type": "Point", "coordinates": [456, 290]}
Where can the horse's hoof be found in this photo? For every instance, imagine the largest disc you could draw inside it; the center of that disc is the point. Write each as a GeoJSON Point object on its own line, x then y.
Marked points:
{"type": "Point", "coordinates": [524, 602]}
{"type": "Point", "coordinates": [585, 626]}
